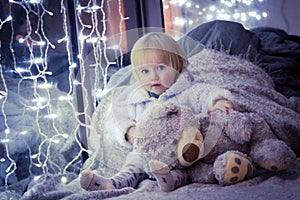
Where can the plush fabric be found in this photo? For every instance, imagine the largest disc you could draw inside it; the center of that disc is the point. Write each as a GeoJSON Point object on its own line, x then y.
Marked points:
{"type": "Point", "coordinates": [253, 90]}
{"type": "Point", "coordinates": [108, 157]}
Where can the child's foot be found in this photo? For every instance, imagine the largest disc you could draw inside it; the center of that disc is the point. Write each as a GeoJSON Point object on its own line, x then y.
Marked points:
{"type": "Point", "coordinates": [164, 178]}
{"type": "Point", "coordinates": [90, 181]}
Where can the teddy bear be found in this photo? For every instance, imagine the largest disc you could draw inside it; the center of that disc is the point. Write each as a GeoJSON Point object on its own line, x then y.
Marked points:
{"type": "Point", "coordinates": [227, 147]}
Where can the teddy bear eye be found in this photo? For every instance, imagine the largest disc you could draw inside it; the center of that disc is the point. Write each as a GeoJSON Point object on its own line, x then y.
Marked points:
{"type": "Point", "coordinates": [175, 142]}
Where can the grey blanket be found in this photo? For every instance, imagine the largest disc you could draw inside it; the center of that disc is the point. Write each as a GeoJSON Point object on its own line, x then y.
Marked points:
{"type": "Point", "coordinates": [255, 93]}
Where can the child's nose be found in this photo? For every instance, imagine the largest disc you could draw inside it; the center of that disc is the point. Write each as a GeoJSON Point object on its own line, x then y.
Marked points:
{"type": "Point", "coordinates": [154, 75]}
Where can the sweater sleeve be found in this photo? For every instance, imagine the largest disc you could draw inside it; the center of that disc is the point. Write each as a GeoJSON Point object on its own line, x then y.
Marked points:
{"type": "Point", "coordinates": [118, 127]}
{"type": "Point", "coordinates": [119, 120]}
{"type": "Point", "coordinates": [207, 95]}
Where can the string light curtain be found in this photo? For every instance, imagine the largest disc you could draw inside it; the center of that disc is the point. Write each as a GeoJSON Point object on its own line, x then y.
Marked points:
{"type": "Point", "coordinates": [55, 57]}
{"type": "Point", "coordinates": [184, 15]}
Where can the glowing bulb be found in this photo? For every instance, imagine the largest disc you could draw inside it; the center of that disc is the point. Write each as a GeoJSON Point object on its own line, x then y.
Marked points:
{"type": "Point", "coordinates": [36, 178]}
{"type": "Point", "coordinates": [103, 38]}
{"type": "Point", "coordinates": [73, 66]}
{"type": "Point", "coordinates": [95, 7]}
{"type": "Point", "coordinates": [5, 140]}
{"type": "Point", "coordinates": [212, 8]}
{"type": "Point", "coordinates": [9, 18]}
{"type": "Point", "coordinates": [7, 131]}
{"type": "Point", "coordinates": [55, 141]}
{"type": "Point", "coordinates": [236, 15]}
{"type": "Point", "coordinates": [21, 70]}
{"type": "Point", "coordinates": [24, 132]}
{"type": "Point", "coordinates": [2, 94]}
{"type": "Point", "coordinates": [264, 14]}
{"type": "Point", "coordinates": [252, 14]}
{"type": "Point", "coordinates": [21, 40]}
{"type": "Point", "coordinates": [115, 47]}
{"type": "Point", "coordinates": [61, 40]}
{"type": "Point", "coordinates": [65, 136]}
{"type": "Point", "coordinates": [39, 100]}
{"type": "Point", "coordinates": [45, 85]}
{"type": "Point", "coordinates": [2, 160]}
{"type": "Point", "coordinates": [47, 73]}
{"type": "Point", "coordinates": [34, 156]}
{"type": "Point", "coordinates": [179, 21]}
{"type": "Point", "coordinates": [244, 18]}
{"type": "Point", "coordinates": [64, 179]}
{"type": "Point", "coordinates": [51, 116]}
{"type": "Point", "coordinates": [39, 105]}
{"type": "Point", "coordinates": [209, 17]}
{"type": "Point", "coordinates": [188, 4]}
{"type": "Point", "coordinates": [65, 98]}
{"type": "Point", "coordinates": [38, 60]}
{"type": "Point", "coordinates": [98, 93]}
{"type": "Point", "coordinates": [82, 37]}
{"type": "Point", "coordinates": [40, 43]}
{"type": "Point", "coordinates": [92, 40]}
{"type": "Point", "coordinates": [8, 169]}
{"type": "Point", "coordinates": [34, 1]}
{"type": "Point", "coordinates": [76, 82]}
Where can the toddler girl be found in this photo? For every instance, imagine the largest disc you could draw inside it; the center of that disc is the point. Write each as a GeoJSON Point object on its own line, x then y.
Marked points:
{"type": "Point", "coordinates": [160, 74]}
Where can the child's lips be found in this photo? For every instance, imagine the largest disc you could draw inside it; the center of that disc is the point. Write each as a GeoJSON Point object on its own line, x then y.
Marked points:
{"type": "Point", "coordinates": [155, 85]}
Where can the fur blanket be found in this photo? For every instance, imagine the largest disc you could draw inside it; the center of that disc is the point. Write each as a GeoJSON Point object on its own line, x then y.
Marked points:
{"type": "Point", "coordinates": [254, 92]}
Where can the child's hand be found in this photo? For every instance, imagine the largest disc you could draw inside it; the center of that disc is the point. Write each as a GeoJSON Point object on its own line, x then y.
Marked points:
{"type": "Point", "coordinates": [223, 105]}
{"type": "Point", "coordinates": [129, 135]}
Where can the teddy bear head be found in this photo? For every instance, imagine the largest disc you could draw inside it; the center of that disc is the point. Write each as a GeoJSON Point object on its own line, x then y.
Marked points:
{"type": "Point", "coordinates": [165, 129]}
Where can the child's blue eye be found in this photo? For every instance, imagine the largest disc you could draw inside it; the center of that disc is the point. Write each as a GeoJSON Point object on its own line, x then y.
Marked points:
{"type": "Point", "coordinates": [144, 71]}
{"type": "Point", "coordinates": [161, 67]}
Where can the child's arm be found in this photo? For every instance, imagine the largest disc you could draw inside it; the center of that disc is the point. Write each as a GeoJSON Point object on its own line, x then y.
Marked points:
{"type": "Point", "coordinates": [211, 98]}
{"type": "Point", "coordinates": [222, 104]}
{"type": "Point", "coordinates": [120, 119]}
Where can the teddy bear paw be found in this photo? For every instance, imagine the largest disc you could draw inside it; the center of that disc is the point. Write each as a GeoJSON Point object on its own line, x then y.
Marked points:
{"type": "Point", "coordinates": [273, 155]}
{"type": "Point", "coordinates": [233, 167]}
{"type": "Point", "coordinates": [274, 166]}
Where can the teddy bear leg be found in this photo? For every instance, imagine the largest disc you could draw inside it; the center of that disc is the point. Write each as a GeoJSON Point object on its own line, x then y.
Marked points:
{"type": "Point", "coordinates": [190, 146]}
{"type": "Point", "coordinates": [273, 155]}
{"type": "Point", "coordinates": [201, 172]}
{"type": "Point", "coordinates": [233, 167]}
{"type": "Point", "coordinates": [167, 180]}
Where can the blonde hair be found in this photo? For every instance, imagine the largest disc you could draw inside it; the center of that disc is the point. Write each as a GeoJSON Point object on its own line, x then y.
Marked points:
{"type": "Point", "coordinates": [166, 47]}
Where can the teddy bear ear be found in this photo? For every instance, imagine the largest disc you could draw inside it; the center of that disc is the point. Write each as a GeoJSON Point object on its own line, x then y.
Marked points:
{"type": "Point", "coordinates": [171, 108]}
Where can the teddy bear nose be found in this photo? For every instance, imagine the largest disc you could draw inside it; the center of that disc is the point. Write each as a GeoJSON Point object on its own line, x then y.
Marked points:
{"type": "Point", "coordinates": [190, 152]}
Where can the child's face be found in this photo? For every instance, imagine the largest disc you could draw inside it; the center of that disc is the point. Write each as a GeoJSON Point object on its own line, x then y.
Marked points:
{"type": "Point", "coordinates": [155, 73]}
